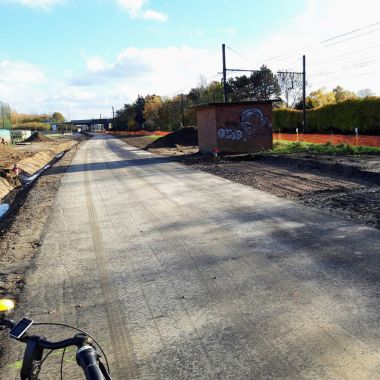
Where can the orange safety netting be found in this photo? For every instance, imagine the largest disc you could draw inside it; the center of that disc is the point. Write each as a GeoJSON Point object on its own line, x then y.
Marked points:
{"type": "Point", "coordinates": [333, 139]}
{"type": "Point", "coordinates": [139, 133]}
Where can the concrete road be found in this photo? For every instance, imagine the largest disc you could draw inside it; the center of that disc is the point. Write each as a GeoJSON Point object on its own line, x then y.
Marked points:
{"type": "Point", "coordinates": [184, 275]}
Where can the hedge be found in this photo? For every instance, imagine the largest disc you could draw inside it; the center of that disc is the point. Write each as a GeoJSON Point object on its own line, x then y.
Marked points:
{"type": "Point", "coordinates": [341, 118]}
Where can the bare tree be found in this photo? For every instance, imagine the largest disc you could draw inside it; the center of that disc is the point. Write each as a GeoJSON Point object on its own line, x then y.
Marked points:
{"type": "Point", "coordinates": [291, 85]}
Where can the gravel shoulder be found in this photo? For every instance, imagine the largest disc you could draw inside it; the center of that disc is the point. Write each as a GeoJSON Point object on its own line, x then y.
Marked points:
{"type": "Point", "coordinates": [21, 230]}
{"type": "Point", "coordinates": [352, 192]}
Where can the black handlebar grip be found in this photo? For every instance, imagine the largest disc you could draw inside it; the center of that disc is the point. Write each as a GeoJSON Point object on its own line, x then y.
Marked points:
{"type": "Point", "coordinates": [87, 358]}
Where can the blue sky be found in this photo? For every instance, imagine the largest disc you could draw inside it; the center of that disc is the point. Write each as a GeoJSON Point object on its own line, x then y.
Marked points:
{"type": "Point", "coordinates": [83, 57]}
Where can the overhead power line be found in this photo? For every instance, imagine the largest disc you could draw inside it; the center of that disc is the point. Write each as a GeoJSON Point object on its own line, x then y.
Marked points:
{"type": "Point", "coordinates": [239, 54]}
{"type": "Point", "coordinates": [352, 38]}
{"type": "Point", "coordinates": [351, 32]}
{"type": "Point", "coordinates": [293, 53]}
{"type": "Point", "coordinates": [346, 54]}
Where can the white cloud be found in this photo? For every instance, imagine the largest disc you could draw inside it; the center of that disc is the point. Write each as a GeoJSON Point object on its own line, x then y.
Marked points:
{"type": "Point", "coordinates": [354, 63]}
{"type": "Point", "coordinates": [22, 85]}
{"type": "Point", "coordinates": [19, 72]}
{"type": "Point", "coordinates": [137, 9]}
{"type": "Point", "coordinates": [104, 84]}
{"type": "Point", "coordinates": [96, 63]}
{"type": "Point", "coordinates": [43, 4]}
{"type": "Point", "coordinates": [229, 30]}
{"type": "Point", "coordinates": [132, 6]}
{"type": "Point", "coordinates": [150, 14]}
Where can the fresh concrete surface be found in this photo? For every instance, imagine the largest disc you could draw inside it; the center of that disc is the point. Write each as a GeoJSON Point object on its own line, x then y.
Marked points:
{"type": "Point", "coordinates": [184, 275]}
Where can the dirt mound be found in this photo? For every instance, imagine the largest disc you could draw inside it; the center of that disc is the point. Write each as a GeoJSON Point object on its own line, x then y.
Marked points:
{"type": "Point", "coordinates": [187, 136]}
{"type": "Point", "coordinates": [37, 137]}
{"type": "Point", "coordinates": [9, 156]}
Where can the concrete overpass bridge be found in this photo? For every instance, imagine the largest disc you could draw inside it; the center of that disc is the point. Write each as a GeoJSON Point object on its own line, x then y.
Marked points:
{"type": "Point", "coordinates": [93, 125]}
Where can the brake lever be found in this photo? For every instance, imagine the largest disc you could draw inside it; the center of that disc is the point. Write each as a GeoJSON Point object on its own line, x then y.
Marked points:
{"type": "Point", "coordinates": [7, 323]}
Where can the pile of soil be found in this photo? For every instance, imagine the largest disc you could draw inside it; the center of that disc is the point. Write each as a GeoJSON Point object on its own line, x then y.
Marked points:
{"type": "Point", "coordinates": [187, 136]}
{"type": "Point", "coordinates": [38, 137]}
{"type": "Point", "coordinates": [9, 156]}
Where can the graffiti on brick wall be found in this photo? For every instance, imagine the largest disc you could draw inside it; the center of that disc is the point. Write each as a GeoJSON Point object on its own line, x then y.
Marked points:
{"type": "Point", "coordinates": [252, 120]}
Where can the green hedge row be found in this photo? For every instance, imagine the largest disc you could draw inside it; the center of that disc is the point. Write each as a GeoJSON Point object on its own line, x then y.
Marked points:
{"type": "Point", "coordinates": [341, 118]}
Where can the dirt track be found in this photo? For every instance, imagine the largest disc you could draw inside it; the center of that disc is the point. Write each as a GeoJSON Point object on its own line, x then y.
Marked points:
{"type": "Point", "coordinates": [338, 188]}
{"type": "Point", "coordinates": [345, 186]}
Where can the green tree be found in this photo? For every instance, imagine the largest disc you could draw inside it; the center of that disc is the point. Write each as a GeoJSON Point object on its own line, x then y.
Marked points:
{"type": "Point", "coordinates": [124, 118]}
{"type": "Point", "coordinates": [138, 106]}
{"type": "Point", "coordinates": [240, 88]}
{"type": "Point", "coordinates": [152, 105]}
{"type": "Point", "coordinates": [341, 95]}
{"type": "Point", "coordinates": [260, 85]}
{"type": "Point", "coordinates": [214, 92]}
{"type": "Point", "coordinates": [57, 118]}
{"type": "Point", "coordinates": [320, 98]}
{"type": "Point", "coordinates": [265, 84]}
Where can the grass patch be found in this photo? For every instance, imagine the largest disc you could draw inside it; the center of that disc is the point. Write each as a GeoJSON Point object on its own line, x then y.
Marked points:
{"type": "Point", "coordinates": [283, 147]}
{"type": "Point", "coordinates": [154, 137]}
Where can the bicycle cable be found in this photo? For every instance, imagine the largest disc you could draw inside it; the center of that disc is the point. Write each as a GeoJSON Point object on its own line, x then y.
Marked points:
{"type": "Point", "coordinates": [62, 357]}
{"type": "Point", "coordinates": [46, 356]}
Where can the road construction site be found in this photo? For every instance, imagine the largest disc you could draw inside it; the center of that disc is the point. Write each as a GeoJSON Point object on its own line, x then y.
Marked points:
{"type": "Point", "coordinates": [181, 273]}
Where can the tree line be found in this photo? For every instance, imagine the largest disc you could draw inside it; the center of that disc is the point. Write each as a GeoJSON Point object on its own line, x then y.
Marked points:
{"type": "Point", "coordinates": [34, 121]}
{"type": "Point", "coordinates": [155, 112]}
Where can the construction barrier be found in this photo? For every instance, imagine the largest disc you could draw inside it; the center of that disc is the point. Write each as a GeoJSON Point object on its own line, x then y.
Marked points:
{"type": "Point", "coordinates": [332, 139]}
{"type": "Point", "coordinates": [138, 133]}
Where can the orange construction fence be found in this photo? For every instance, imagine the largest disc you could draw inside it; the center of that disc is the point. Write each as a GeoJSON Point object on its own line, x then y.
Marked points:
{"type": "Point", "coordinates": [302, 137]}
{"type": "Point", "coordinates": [138, 133]}
{"type": "Point", "coordinates": [333, 139]}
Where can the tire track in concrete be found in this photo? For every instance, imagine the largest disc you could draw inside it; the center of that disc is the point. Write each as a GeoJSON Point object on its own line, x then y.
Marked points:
{"type": "Point", "coordinates": [212, 368]}
{"type": "Point", "coordinates": [269, 348]}
{"type": "Point", "coordinates": [213, 372]}
{"type": "Point", "coordinates": [120, 237]}
{"type": "Point", "coordinates": [121, 341]}
{"type": "Point", "coordinates": [343, 335]}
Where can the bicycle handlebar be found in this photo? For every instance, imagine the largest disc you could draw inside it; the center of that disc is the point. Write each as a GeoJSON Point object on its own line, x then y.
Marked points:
{"type": "Point", "coordinates": [87, 356]}
{"type": "Point", "coordinates": [46, 345]}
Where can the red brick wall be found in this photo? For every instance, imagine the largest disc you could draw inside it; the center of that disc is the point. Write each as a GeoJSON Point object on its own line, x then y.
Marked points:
{"type": "Point", "coordinates": [235, 127]}
{"type": "Point", "coordinates": [206, 129]}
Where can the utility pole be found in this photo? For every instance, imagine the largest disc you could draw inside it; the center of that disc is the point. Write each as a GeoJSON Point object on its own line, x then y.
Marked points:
{"type": "Point", "coordinates": [224, 73]}
{"type": "Point", "coordinates": [113, 118]}
{"type": "Point", "coordinates": [304, 92]}
{"type": "Point", "coordinates": [2, 114]}
{"type": "Point", "coordinates": [183, 111]}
